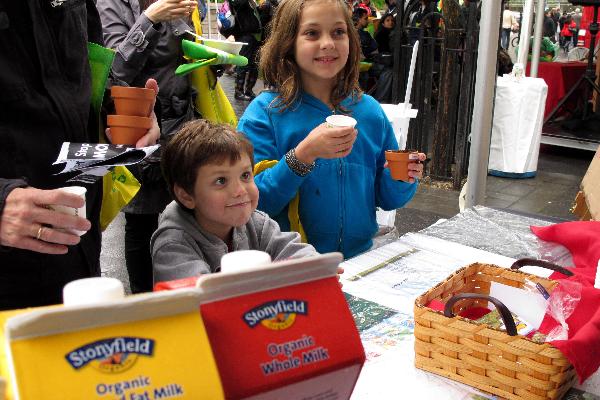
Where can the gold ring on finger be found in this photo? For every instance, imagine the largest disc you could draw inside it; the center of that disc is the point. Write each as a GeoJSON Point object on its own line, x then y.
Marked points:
{"type": "Point", "coordinates": [39, 233]}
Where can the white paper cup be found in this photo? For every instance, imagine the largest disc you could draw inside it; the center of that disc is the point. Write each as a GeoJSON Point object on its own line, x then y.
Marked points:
{"type": "Point", "coordinates": [239, 260]}
{"type": "Point", "coordinates": [92, 291]}
{"type": "Point", "coordinates": [340, 121]}
{"type": "Point", "coordinates": [80, 212]}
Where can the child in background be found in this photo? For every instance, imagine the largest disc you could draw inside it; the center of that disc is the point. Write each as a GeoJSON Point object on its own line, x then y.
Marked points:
{"type": "Point", "coordinates": [312, 59]}
{"type": "Point", "coordinates": [208, 169]}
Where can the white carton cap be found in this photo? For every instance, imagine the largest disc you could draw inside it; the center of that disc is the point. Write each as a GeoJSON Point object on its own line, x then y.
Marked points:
{"type": "Point", "coordinates": [239, 260]}
{"type": "Point", "coordinates": [92, 291]}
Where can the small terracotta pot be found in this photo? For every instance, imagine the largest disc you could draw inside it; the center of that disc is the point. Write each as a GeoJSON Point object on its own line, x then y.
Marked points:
{"type": "Point", "coordinates": [127, 129]}
{"type": "Point", "coordinates": [133, 100]}
{"type": "Point", "coordinates": [398, 161]}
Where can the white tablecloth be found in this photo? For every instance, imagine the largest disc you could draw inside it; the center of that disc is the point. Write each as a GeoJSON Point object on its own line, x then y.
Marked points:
{"type": "Point", "coordinates": [517, 127]}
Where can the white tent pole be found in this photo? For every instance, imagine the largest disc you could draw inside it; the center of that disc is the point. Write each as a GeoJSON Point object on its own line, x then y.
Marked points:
{"type": "Point", "coordinates": [485, 82]}
{"type": "Point", "coordinates": [537, 39]}
{"type": "Point", "coordinates": [525, 29]}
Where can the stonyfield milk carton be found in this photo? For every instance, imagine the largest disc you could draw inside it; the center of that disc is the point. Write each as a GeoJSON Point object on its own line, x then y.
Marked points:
{"type": "Point", "coordinates": [282, 331]}
{"type": "Point", "coordinates": [144, 347]}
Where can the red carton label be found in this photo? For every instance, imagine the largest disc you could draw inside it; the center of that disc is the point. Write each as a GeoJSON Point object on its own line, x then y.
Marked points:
{"type": "Point", "coordinates": [267, 340]}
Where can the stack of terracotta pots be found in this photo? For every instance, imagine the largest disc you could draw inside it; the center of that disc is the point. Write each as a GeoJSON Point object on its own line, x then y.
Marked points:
{"type": "Point", "coordinates": [132, 121]}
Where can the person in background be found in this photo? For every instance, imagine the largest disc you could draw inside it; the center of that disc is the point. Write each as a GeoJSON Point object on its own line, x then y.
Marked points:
{"type": "Point", "coordinates": [549, 28]}
{"type": "Point", "coordinates": [508, 20]}
{"type": "Point", "coordinates": [248, 29]}
{"type": "Point", "coordinates": [384, 33]}
{"type": "Point", "coordinates": [555, 14]}
{"type": "Point", "coordinates": [577, 19]}
{"type": "Point", "coordinates": [147, 38]}
{"type": "Point", "coordinates": [568, 31]}
{"type": "Point", "coordinates": [368, 45]}
{"type": "Point", "coordinates": [382, 69]}
{"type": "Point", "coordinates": [43, 104]}
{"type": "Point", "coordinates": [208, 168]}
{"type": "Point", "coordinates": [338, 173]}
{"type": "Point", "coordinates": [368, 6]}
{"type": "Point", "coordinates": [561, 24]}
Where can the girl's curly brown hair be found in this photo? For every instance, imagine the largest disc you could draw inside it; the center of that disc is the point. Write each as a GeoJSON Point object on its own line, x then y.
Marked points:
{"type": "Point", "coordinates": [276, 57]}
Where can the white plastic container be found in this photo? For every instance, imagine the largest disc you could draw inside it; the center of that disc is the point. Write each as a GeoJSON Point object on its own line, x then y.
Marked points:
{"type": "Point", "coordinates": [243, 259]}
{"type": "Point", "coordinates": [92, 291]}
{"type": "Point", "coordinates": [340, 121]}
{"type": "Point", "coordinates": [79, 212]}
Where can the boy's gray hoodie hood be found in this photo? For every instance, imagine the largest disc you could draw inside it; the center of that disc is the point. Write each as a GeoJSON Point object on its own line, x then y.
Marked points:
{"type": "Point", "coordinates": [180, 248]}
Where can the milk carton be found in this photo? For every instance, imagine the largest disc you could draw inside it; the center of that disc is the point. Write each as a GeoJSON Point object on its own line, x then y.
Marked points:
{"type": "Point", "coordinates": [140, 348]}
{"type": "Point", "coordinates": [282, 331]}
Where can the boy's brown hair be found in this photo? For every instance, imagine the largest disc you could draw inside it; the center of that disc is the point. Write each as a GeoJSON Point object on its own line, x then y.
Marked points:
{"type": "Point", "coordinates": [276, 57]}
{"type": "Point", "coordinates": [199, 143]}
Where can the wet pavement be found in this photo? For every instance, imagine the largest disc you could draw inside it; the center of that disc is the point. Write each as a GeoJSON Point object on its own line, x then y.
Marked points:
{"type": "Point", "coordinates": [547, 195]}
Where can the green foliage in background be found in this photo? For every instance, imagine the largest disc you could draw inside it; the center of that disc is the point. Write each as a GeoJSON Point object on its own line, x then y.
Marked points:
{"type": "Point", "coordinates": [379, 4]}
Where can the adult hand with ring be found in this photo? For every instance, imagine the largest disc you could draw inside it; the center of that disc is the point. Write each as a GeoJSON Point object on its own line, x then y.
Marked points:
{"type": "Point", "coordinates": [27, 223]}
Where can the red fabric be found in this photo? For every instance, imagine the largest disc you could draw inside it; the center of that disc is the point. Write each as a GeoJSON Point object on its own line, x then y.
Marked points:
{"type": "Point", "coordinates": [582, 348]}
{"type": "Point", "coordinates": [586, 20]}
{"type": "Point", "coordinates": [560, 77]}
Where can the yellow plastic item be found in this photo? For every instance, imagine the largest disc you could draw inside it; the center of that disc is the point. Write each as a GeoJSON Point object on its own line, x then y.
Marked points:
{"type": "Point", "coordinates": [119, 186]}
{"type": "Point", "coordinates": [293, 207]}
{"type": "Point", "coordinates": [211, 101]}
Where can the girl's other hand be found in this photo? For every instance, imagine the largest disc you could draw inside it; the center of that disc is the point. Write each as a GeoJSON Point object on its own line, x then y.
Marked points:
{"type": "Point", "coordinates": [168, 10]}
{"type": "Point", "coordinates": [326, 142]}
{"type": "Point", "coordinates": [415, 170]}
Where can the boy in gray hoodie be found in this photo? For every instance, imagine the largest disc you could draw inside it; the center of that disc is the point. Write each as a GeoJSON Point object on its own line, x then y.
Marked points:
{"type": "Point", "coordinates": [209, 170]}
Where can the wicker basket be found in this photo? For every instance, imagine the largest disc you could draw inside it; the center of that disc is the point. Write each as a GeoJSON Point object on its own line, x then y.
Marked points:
{"type": "Point", "coordinates": [513, 367]}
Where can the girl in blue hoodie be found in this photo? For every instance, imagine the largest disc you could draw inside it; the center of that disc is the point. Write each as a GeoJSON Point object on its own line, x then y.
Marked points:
{"type": "Point", "coordinates": [324, 181]}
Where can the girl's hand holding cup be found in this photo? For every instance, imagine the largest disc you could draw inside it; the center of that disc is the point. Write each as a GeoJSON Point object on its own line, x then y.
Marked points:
{"type": "Point", "coordinates": [328, 140]}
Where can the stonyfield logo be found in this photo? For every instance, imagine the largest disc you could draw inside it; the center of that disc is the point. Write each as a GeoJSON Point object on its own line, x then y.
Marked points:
{"type": "Point", "coordinates": [111, 355]}
{"type": "Point", "coordinates": [276, 315]}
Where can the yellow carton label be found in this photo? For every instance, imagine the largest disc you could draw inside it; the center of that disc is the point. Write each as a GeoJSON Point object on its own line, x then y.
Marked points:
{"type": "Point", "coordinates": [162, 358]}
{"type": "Point", "coordinates": [4, 370]}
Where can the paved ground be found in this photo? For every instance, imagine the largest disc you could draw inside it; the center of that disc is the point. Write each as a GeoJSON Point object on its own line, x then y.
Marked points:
{"type": "Point", "coordinates": [549, 194]}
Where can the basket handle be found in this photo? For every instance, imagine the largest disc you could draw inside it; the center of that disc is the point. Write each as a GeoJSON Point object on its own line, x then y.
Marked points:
{"type": "Point", "coordinates": [540, 263]}
{"type": "Point", "coordinates": [507, 318]}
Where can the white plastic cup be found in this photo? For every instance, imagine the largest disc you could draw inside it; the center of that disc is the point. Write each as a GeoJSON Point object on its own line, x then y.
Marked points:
{"type": "Point", "coordinates": [92, 291]}
{"type": "Point", "coordinates": [243, 259]}
{"type": "Point", "coordinates": [340, 121]}
{"type": "Point", "coordinates": [79, 212]}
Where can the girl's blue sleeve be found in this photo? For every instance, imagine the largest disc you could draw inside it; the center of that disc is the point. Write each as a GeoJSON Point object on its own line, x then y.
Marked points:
{"type": "Point", "coordinates": [390, 194]}
{"type": "Point", "coordinates": [279, 184]}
